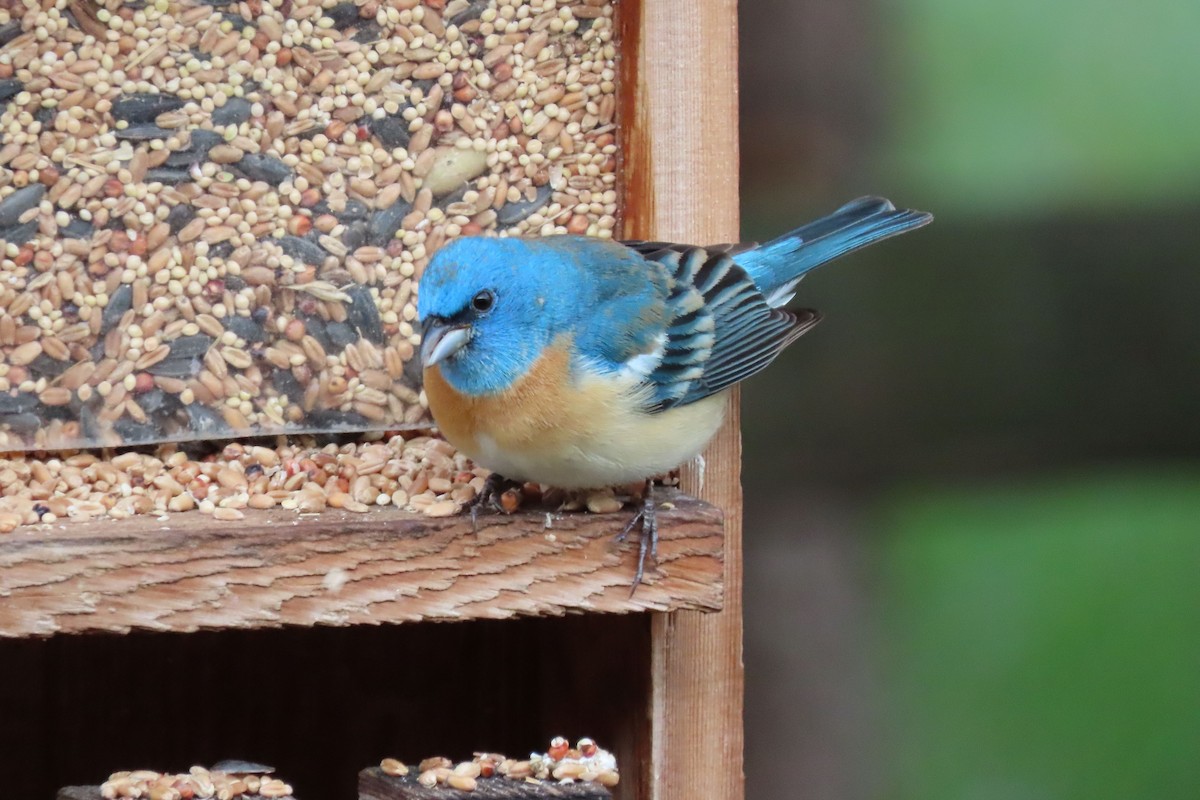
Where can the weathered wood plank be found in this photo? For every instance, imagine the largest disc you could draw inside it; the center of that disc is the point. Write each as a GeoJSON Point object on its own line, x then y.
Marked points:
{"type": "Point", "coordinates": [187, 573]}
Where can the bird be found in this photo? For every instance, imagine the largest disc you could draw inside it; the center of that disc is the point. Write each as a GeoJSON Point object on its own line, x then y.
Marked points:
{"type": "Point", "coordinates": [583, 363]}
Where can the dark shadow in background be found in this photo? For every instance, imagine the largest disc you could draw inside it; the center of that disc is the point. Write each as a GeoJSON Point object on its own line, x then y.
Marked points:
{"type": "Point", "coordinates": [973, 349]}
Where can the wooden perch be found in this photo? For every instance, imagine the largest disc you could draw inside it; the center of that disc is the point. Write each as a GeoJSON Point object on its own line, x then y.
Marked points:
{"type": "Point", "coordinates": [187, 572]}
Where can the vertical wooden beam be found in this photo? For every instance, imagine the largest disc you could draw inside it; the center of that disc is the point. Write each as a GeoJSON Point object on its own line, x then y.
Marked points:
{"type": "Point", "coordinates": [680, 145]}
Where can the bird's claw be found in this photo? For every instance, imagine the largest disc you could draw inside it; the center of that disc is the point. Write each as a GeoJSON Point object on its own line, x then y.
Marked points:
{"type": "Point", "coordinates": [494, 489]}
{"type": "Point", "coordinates": [497, 486]}
{"type": "Point", "coordinates": [647, 515]}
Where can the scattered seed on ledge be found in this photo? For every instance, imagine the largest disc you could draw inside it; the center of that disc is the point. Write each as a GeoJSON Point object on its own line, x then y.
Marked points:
{"type": "Point", "coordinates": [586, 763]}
{"type": "Point", "coordinates": [417, 473]}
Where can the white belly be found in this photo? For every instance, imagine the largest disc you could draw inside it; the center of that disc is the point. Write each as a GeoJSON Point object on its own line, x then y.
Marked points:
{"type": "Point", "coordinates": [634, 447]}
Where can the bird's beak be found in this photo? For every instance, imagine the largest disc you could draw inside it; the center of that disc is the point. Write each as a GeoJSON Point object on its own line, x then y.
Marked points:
{"type": "Point", "coordinates": [439, 341]}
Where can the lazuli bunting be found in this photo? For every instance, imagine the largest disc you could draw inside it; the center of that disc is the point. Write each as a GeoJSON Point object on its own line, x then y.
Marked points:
{"type": "Point", "coordinates": [586, 363]}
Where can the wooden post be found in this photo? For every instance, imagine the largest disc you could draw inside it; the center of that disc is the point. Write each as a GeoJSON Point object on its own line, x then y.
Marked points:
{"type": "Point", "coordinates": [681, 171]}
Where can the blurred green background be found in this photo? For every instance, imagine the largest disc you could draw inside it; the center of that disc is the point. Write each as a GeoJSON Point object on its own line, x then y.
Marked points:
{"type": "Point", "coordinates": [973, 493]}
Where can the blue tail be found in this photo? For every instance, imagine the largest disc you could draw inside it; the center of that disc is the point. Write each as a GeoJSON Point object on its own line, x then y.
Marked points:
{"type": "Point", "coordinates": [780, 263]}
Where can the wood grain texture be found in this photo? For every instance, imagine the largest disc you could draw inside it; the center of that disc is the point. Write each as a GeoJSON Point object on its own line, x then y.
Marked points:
{"type": "Point", "coordinates": [680, 130]}
{"type": "Point", "coordinates": [276, 568]}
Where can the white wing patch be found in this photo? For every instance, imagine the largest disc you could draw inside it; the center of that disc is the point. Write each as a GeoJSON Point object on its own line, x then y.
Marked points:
{"type": "Point", "coordinates": [640, 366]}
{"type": "Point", "coordinates": [783, 295]}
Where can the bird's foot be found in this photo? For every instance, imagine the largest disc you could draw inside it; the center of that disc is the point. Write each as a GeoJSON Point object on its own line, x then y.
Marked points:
{"type": "Point", "coordinates": [498, 494]}
{"type": "Point", "coordinates": [647, 515]}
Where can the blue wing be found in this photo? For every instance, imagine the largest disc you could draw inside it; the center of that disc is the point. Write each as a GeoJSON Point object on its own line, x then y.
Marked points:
{"type": "Point", "coordinates": [720, 329]}
{"type": "Point", "coordinates": [723, 318]}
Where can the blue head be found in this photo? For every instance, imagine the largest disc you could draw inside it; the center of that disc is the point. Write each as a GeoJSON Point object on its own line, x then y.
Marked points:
{"type": "Point", "coordinates": [489, 307]}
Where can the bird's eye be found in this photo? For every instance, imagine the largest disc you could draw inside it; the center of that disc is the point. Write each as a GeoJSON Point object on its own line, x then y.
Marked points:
{"type": "Point", "coordinates": [483, 301]}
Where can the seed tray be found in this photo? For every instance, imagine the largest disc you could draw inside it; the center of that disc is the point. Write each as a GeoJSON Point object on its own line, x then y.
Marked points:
{"type": "Point", "coordinates": [93, 793]}
{"type": "Point", "coordinates": [373, 784]}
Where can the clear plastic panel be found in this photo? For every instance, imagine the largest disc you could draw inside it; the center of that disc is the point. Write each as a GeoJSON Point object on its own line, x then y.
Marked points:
{"type": "Point", "coordinates": [213, 216]}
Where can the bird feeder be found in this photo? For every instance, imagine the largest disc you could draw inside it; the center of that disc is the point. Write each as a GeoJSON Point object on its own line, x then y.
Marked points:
{"type": "Point", "coordinates": [321, 639]}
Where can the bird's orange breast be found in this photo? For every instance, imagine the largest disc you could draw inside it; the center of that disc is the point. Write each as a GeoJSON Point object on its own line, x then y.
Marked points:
{"type": "Point", "coordinates": [554, 427]}
{"type": "Point", "coordinates": [542, 409]}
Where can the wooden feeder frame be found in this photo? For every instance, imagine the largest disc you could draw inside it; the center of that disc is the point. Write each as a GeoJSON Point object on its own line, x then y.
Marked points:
{"type": "Point", "coordinates": [677, 710]}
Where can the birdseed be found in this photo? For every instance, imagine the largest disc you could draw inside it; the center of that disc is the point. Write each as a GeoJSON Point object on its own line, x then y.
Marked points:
{"type": "Point", "coordinates": [297, 475]}
{"type": "Point", "coordinates": [586, 762]}
{"type": "Point", "coordinates": [198, 782]}
{"type": "Point", "coordinates": [213, 216]}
